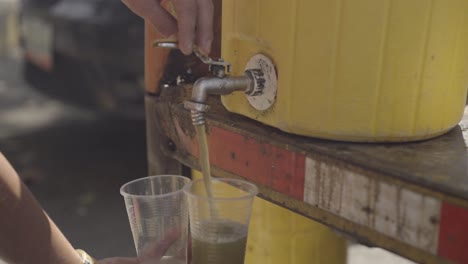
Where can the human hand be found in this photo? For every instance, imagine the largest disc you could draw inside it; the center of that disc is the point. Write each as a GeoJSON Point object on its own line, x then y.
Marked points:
{"type": "Point", "coordinates": [152, 253]}
{"type": "Point", "coordinates": [194, 24]}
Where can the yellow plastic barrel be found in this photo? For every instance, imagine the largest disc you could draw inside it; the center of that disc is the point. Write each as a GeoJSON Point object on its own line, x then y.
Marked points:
{"type": "Point", "coordinates": [279, 236]}
{"type": "Point", "coordinates": [354, 70]}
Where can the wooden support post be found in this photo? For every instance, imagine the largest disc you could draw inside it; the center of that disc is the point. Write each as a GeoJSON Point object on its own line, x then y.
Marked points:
{"type": "Point", "coordinates": [155, 62]}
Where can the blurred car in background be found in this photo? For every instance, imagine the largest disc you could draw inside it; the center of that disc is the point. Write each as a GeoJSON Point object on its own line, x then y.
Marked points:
{"type": "Point", "coordinates": [85, 52]}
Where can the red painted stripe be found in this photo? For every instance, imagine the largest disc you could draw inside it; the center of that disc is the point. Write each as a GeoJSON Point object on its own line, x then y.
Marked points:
{"type": "Point", "coordinates": [453, 233]}
{"type": "Point", "coordinates": [277, 168]}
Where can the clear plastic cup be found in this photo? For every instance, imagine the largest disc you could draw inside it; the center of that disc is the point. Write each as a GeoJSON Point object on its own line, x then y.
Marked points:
{"type": "Point", "coordinates": [219, 224]}
{"type": "Point", "coordinates": [157, 210]}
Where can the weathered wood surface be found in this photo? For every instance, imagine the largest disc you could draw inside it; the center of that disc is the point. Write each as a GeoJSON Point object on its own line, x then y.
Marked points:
{"type": "Point", "coordinates": [402, 197]}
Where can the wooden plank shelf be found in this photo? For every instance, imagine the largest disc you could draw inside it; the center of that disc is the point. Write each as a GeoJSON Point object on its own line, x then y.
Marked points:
{"type": "Point", "coordinates": [409, 198]}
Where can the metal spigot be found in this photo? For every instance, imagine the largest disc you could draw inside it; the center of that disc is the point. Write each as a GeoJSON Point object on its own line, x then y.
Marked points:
{"type": "Point", "coordinates": [215, 86]}
{"type": "Point", "coordinates": [252, 82]}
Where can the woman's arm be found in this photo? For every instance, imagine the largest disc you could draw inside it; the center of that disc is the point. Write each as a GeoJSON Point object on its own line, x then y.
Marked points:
{"type": "Point", "coordinates": [27, 235]}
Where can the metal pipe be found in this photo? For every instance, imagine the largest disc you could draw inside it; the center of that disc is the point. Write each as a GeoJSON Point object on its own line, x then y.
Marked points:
{"type": "Point", "coordinates": [219, 86]}
{"type": "Point", "coordinates": [215, 85]}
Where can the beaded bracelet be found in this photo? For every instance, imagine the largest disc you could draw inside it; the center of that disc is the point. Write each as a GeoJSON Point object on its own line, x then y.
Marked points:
{"type": "Point", "coordinates": [85, 258]}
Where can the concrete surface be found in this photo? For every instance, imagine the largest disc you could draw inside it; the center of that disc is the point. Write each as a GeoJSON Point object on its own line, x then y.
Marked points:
{"type": "Point", "coordinates": [358, 254]}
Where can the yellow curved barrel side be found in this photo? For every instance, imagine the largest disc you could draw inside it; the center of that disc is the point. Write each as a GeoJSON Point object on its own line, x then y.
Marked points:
{"type": "Point", "coordinates": [279, 236]}
{"type": "Point", "coordinates": [355, 70]}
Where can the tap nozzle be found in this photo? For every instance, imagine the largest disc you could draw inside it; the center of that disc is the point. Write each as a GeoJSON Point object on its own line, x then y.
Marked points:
{"type": "Point", "coordinates": [251, 83]}
{"type": "Point", "coordinates": [197, 111]}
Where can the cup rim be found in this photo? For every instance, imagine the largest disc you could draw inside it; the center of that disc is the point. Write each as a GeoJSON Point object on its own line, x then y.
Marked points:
{"type": "Point", "coordinates": [252, 194]}
{"type": "Point", "coordinates": [128, 195]}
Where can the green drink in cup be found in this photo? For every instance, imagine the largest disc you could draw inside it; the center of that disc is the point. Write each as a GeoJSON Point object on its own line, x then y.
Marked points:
{"type": "Point", "coordinates": [219, 238]}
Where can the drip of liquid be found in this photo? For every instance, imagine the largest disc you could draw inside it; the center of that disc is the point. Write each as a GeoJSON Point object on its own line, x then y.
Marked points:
{"type": "Point", "coordinates": [204, 159]}
{"type": "Point", "coordinates": [205, 166]}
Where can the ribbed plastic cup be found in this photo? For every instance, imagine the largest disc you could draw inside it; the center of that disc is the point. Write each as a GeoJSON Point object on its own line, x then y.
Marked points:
{"type": "Point", "coordinates": [157, 208]}
{"type": "Point", "coordinates": [219, 224]}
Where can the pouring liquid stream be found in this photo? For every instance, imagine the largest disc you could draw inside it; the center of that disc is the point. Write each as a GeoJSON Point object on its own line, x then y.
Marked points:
{"type": "Point", "coordinates": [216, 240]}
{"type": "Point", "coordinates": [205, 166]}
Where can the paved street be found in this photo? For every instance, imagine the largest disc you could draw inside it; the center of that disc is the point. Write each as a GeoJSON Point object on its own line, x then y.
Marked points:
{"type": "Point", "coordinates": [73, 162]}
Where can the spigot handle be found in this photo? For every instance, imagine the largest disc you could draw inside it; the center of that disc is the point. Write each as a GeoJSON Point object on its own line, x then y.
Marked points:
{"type": "Point", "coordinates": [173, 44]}
{"type": "Point", "coordinates": [168, 44]}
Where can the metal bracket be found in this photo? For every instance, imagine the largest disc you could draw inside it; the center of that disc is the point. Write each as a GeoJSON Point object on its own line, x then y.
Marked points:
{"type": "Point", "coordinates": [214, 65]}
